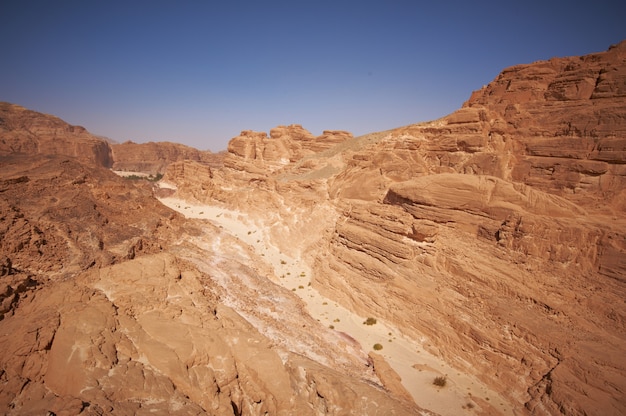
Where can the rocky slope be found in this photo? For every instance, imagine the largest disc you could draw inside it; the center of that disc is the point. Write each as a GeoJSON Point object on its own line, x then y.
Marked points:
{"type": "Point", "coordinates": [150, 335]}
{"type": "Point", "coordinates": [496, 235]}
{"type": "Point", "coordinates": [111, 303]}
{"type": "Point", "coordinates": [154, 157]}
{"type": "Point", "coordinates": [28, 132]}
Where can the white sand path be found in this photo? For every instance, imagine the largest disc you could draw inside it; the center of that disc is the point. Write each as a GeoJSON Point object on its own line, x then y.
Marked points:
{"type": "Point", "coordinates": [414, 364]}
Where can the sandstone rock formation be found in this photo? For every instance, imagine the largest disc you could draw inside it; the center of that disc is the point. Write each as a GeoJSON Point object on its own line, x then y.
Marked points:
{"type": "Point", "coordinates": [495, 237]}
{"type": "Point", "coordinates": [256, 153]}
{"type": "Point", "coordinates": [496, 234]}
{"type": "Point", "coordinates": [150, 335]}
{"type": "Point", "coordinates": [111, 303]}
{"type": "Point", "coordinates": [29, 132]}
{"type": "Point", "coordinates": [521, 194]}
{"type": "Point", "coordinates": [154, 157]}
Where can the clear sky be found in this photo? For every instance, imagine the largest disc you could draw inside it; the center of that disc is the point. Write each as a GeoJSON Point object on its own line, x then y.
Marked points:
{"type": "Point", "coordinates": [199, 72]}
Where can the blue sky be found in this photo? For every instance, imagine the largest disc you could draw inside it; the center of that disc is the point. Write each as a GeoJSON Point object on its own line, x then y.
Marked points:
{"type": "Point", "coordinates": [199, 72]}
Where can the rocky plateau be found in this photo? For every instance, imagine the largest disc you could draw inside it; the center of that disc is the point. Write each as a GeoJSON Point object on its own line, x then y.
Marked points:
{"type": "Point", "coordinates": [494, 238]}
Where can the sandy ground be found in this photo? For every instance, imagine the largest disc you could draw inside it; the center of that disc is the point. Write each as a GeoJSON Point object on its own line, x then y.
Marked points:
{"type": "Point", "coordinates": [124, 173]}
{"type": "Point", "coordinates": [463, 394]}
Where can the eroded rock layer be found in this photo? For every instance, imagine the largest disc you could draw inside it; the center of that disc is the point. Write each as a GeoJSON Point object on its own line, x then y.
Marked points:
{"type": "Point", "coordinates": [154, 157]}
{"type": "Point", "coordinates": [495, 236]}
{"type": "Point", "coordinates": [497, 233]}
{"type": "Point", "coordinates": [29, 132]}
{"type": "Point", "coordinates": [111, 303]}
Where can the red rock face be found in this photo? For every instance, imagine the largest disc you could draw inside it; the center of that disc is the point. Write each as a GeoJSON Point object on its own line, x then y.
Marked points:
{"type": "Point", "coordinates": [29, 132]}
{"type": "Point", "coordinates": [566, 116]}
{"type": "Point", "coordinates": [496, 232]}
{"type": "Point", "coordinates": [154, 157]}
{"type": "Point", "coordinates": [104, 310]}
{"type": "Point", "coordinates": [525, 189]}
{"type": "Point", "coordinates": [256, 153]}
{"type": "Point", "coordinates": [60, 217]}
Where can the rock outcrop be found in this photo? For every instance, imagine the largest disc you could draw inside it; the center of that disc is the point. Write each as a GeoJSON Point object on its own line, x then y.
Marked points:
{"type": "Point", "coordinates": [154, 157]}
{"type": "Point", "coordinates": [496, 234]}
{"type": "Point", "coordinates": [257, 154]}
{"type": "Point", "coordinates": [111, 303]}
{"type": "Point", "coordinates": [521, 195]}
{"type": "Point", "coordinates": [29, 132]}
{"type": "Point", "coordinates": [150, 335]}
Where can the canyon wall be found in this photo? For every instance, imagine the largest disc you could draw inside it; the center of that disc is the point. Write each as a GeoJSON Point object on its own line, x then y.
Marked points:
{"type": "Point", "coordinates": [29, 132]}
{"type": "Point", "coordinates": [495, 234]}
{"type": "Point", "coordinates": [499, 232]}
{"type": "Point", "coordinates": [154, 157]}
{"type": "Point", "coordinates": [111, 303]}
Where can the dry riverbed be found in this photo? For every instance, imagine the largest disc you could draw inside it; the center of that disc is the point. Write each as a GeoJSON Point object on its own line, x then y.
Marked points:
{"type": "Point", "coordinates": [462, 394]}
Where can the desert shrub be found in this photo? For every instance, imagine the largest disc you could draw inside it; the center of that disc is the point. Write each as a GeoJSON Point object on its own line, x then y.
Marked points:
{"type": "Point", "coordinates": [378, 347]}
{"type": "Point", "coordinates": [150, 178]}
{"type": "Point", "coordinates": [370, 321]}
{"type": "Point", "coordinates": [440, 381]}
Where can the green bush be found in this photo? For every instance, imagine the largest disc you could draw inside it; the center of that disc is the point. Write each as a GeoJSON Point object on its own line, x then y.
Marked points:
{"type": "Point", "coordinates": [378, 347]}
{"type": "Point", "coordinates": [150, 178]}
{"type": "Point", "coordinates": [370, 321]}
{"type": "Point", "coordinates": [440, 381]}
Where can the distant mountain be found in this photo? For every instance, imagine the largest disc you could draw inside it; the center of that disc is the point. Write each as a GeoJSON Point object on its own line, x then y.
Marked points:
{"type": "Point", "coordinates": [30, 132]}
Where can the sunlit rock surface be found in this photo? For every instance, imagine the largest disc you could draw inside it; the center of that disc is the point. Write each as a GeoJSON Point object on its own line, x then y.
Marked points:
{"type": "Point", "coordinates": [494, 237]}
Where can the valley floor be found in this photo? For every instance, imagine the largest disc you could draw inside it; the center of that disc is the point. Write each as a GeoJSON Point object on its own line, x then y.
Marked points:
{"type": "Point", "coordinates": [409, 358]}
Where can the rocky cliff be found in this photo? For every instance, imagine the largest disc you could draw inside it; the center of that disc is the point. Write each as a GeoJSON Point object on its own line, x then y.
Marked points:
{"type": "Point", "coordinates": [256, 153]}
{"type": "Point", "coordinates": [103, 312]}
{"type": "Point", "coordinates": [29, 132]}
{"type": "Point", "coordinates": [154, 157]}
{"type": "Point", "coordinates": [496, 234]}
{"type": "Point", "coordinates": [494, 238]}
{"type": "Point", "coordinates": [511, 246]}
